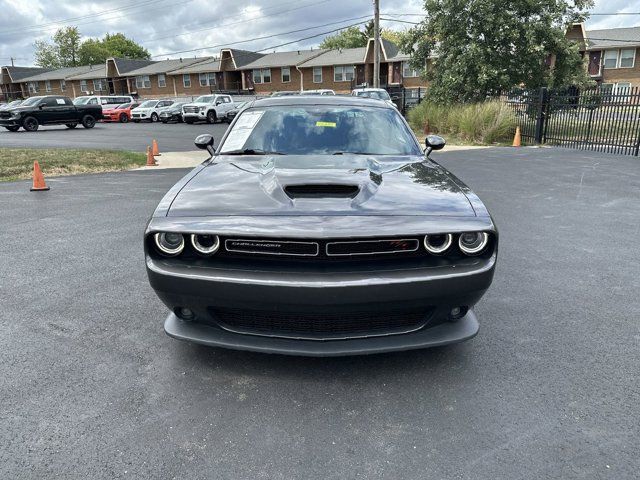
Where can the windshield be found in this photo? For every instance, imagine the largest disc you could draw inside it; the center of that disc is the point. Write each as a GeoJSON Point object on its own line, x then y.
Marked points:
{"type": "Point", "coordinates": [123, 106]}
{"type": "Point", "coordinates": [205, 99]}
{"type": "Point", "coordinates": [31, 101]}
{"type": "Point", "coordinates": [148, 104]}
{"type": "Point", "coordinates": [81, 100]}
{"type": "Point", "coordinates": [378, 94]}
{"type": "Point", "coordinates": [320, 130]}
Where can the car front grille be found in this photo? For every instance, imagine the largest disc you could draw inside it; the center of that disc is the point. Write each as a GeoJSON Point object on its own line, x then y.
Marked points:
{"type": "Point", "coordinates": [190, 109]}
{"type": "Point", "coordinates": [5, 115]}
{"type": "Point", "coordinates": [320, 326]}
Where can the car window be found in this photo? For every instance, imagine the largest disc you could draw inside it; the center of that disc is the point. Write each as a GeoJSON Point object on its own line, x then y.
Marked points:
{"type": "Point", "coordinates": [93, 101]}
{"type": "Point", "coordinates": [148, 104]}
{"type": "Point", "coordinates": [49, 102]}
{"type": "Point", "coordinates": [321, 130]}
{"type": "Point", "coordinates": [31, 101]}
{"type": "Point", "coordinates": [205, 99]}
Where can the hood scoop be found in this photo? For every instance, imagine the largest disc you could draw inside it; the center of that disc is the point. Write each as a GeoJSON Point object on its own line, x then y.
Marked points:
{"type": "Point", "coordinates": [322, 190]}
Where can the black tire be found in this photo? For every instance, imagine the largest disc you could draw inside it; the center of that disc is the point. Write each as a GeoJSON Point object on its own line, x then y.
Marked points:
{"type": "Point", "coordinates": [211, 116]}
{"type": "Point", "coordinates": [71, 125]}
{"type": "Point", "coordinates": [188, 120]}
{"type": "Point", "coordinates": [13, 128]}
{"type": "Point", "coordinates": [124, 118]}
{"type": "Point", "coordinates": [30, 124]}
{"type": "Point", "coordinates": [88, 121]}
{"type": "Point", "coordinates": [154, 117]}
{"type": "Point", "coordinates": [136, 121]}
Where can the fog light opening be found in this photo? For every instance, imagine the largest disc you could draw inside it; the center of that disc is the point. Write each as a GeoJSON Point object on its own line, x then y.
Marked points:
{"type": "Point", "coordinates": [457, 313]}
{"type": "Point", "coordinates": [185, 313]}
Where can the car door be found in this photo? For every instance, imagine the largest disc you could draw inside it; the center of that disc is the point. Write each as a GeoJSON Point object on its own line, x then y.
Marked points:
{"type": "Point", "coordinates": [51, 110]}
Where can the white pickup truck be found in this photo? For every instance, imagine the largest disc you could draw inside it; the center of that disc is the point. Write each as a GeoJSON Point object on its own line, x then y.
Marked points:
{"type": "Point", "coordinates": [210, 108]}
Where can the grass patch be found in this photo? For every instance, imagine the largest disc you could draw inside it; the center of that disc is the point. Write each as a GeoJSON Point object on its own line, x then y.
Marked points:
{"type": "Point", "coordinates": [17, 163]}
{"type": "Point", "coordinates": [487, 123]}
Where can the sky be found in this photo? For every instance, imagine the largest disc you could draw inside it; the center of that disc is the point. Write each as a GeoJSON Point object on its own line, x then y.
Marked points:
{"type": "Point", "coordinates": [182, 28]}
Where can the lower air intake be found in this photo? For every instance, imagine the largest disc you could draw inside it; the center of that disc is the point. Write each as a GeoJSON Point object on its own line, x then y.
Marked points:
{"type": "Point", "coordinates": [320, 326]}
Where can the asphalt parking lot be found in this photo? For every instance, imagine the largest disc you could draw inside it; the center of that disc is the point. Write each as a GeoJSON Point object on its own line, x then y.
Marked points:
{"type": "Point", "coordinates": [171, 137]}
{"type": "Point", "coordinates": [92, 387]}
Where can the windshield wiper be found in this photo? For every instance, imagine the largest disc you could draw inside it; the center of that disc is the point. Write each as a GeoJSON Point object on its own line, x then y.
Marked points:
{"type": "Point", "coordinates": [251, 151]}
{"type": "Point", "coordinates": [353, 153]}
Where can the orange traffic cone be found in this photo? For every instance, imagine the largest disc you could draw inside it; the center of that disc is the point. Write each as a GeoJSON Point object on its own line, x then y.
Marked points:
{"type": "Point", "coordinates": [156, 152]}
{"type": "Point", "coordinates": [516, 138]}
{"type": "Point", "coordinates": [151, 162]}
{"type": "Point", "coordinates": [38, 179]}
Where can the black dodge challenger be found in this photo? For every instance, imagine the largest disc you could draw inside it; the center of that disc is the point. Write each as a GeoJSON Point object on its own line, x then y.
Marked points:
{"type": "Point", "coordinates": [320, 227]}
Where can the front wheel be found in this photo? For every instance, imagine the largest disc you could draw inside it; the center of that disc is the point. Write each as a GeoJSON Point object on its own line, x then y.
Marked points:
{"type": "Point", "coordinates": [154, 117]}
{"type": "Point", "coordinates": [13, 128]}
{"type": "Point", "coordinates": [30, 124]}
{"type": "Point", "coordinates": [88, 121]}
{"type": "Point", "coordinates": [211, 116]}
{"type": "Point", "coordinates": [124, 118]}
{"type": "Point", "coordinates": [71, 125]}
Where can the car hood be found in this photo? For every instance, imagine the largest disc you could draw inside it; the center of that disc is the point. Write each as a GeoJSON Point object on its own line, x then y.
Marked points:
{"type": "Point", "coordinates": [320, 185]}
{"type": "Point", "coordinates": [197, 104]}
{"type": "Point", "coordinates": [143, 110]}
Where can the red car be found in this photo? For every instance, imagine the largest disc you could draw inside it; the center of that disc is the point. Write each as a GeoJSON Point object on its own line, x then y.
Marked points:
{"type": "Point", "coordinates": [119, 113]}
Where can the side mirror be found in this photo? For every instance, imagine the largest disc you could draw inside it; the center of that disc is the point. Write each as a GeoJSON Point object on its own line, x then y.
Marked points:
{"type": "Point", "coordinates": [40, 107]}
{"type": "Point", "coordinates": [205, 142]}
{"type": "Point", "coordinates": [218, 103]}
{"type": "Point", "coordinates": [433, 142]}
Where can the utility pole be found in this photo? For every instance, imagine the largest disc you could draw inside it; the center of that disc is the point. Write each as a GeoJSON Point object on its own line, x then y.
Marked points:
{"type": "Point", "coordinates": [376, 43]}
{"type": "Point", "coordinates": [12, 59]}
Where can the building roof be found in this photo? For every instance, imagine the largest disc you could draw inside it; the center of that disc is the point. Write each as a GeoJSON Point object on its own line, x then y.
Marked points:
{"type": "Point", "coordinates": [126, 65]}
{"type": "Point", "coordinates": [17, 74]}
{"type": "Point", "coordinates": [392, 52]}
{"type": "Point", "coordinates": [344, 56]}
{"type": "Point", "coordinates": [204, 64]}
{"type": "Point", "coordinates": [163, 66]}
{"type": "Point", "coordinates": [243, 57]}
{"type": "Point", "coordinates": [613, 37]}
{"type": "Point", "coordinates": [96, 71]}
{"type": "Point", "coordinates": [283, 59]}
{"type": "Point", "coordinates": [59, 73]}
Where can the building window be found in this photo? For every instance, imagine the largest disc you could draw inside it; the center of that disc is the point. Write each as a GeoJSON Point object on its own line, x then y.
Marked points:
{"type": "Point", "coordinates": [408, 71]}
{"type": "Point", "coordinates": [611, 59]}
{"type": "Point", "coordinates": [627, 58]}
{"type": "Point", "coordinates": [143, 81]}
{"type": "Point", "coordinates": [32, 87]}
{"type": "Point", "coordinates": [162, 81]}
{"type": "Point", "coordinates": [98, 85]}
{"type": "Point", "coordinates": [83, 86]}
{"type": "Point", "coordinates": [286, 74]}
{"type": "Point", "coordinates": [262, 75]}
{"type": "Point", "coordinates": [47, 85]}
{"type": "Point", "coordinates": [207, 79]}
{"type": "Point", "coordinates": [317, 74]}
{"type": "Point", "coordinates": [343, 73]}
{"type": "Point", "coordinates": [186, 80]}
{"type": "Point", "coordinates": [63, 85]}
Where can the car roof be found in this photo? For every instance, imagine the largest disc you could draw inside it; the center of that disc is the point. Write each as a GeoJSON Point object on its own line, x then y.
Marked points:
{"type": "Point", "coordinates": [369, 89]}
{"type": "Point", "coordinates": [319, 100]}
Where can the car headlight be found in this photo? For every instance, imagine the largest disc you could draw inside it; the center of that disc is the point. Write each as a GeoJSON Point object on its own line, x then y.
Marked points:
{"type": "Point", "coordinates": [473, 243]}
{"type": "Point", "coordinates": [169, 243]}
{"type": "Point", "coordinates": [205, 244]}
{"type": "Point", "coordinates": [438, 243]}
{"type": "Point", "coordinates": [202, 109]}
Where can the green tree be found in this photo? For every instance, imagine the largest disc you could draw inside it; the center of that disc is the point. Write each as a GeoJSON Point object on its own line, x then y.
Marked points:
{"type": "Point", "coordinates": [61, 52]}
{"type": "Point", "coordinates": [480, 47]}
{"type": "Point", "coordinates": [353, 37]}
{"type": "Point", "coordinates": [112, 45]}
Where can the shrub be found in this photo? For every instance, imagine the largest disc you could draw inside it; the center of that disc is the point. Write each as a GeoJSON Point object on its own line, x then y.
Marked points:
{"type": "Point", "coordinates": [486, 123]}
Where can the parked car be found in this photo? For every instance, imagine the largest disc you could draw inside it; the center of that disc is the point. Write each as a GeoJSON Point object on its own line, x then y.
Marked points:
{"type": "Point", "coordinates": [119, 113]}
{"type": "Point", "coordinates": [172, 113]}
{"type": "Point", "coordinates": [103, 100]}
{"type": "Point", "coordinates": [285, 93]}
{"type": "Point", "coordinates": [322, 91]}
{"type": "Point", "coordinates": [320, 227]}
{"type": "Point", "coordinates": [209, 108]}
{"type": "Point", "coordinates": [149, 110]}
{"type": "Point", "coordinates": [11, 104]}
{"type": "Point", "coordinates": [375, 93]}
{"type": "Point", "coordinates": [49, 110]}
{"type": "Point", "coordinates": [233, 112]}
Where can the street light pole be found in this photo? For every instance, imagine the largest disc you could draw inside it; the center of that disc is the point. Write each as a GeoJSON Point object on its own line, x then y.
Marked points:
{"type": "Point", "coordinates": [376, 43]}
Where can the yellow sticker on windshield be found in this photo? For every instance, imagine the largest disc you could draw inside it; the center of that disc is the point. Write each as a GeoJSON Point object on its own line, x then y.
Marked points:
{"type": "Point", "coordinates": [326, 124]}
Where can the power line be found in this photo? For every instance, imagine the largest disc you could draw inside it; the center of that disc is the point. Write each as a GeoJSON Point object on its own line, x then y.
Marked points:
{"type": "Point", "coordinates": [312, 4]}
{"type": "Point", "coordinates": [274, 35]}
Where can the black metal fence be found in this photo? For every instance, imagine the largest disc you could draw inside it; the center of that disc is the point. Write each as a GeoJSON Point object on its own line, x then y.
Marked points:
{"type": "Point", "coordinates": [600, 118]}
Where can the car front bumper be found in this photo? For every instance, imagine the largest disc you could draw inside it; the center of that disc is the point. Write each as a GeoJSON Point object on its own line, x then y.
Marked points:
{"type": "Point", "coordinates": [431, 290]}
{"type": "Point", "coordinates": [10, 122]}
{"type": "Point", "coordinates": [194, 116]}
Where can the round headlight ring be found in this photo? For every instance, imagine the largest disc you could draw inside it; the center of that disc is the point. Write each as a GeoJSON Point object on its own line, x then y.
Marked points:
{"type": "Point", "coordinates": [438, 249]}
{"type": "Point", "coordinates": [201, 249]}
{"type": "Point", "coordinates": [164, 247]}
{"type": "Point", "coordinates": [482, 241]}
